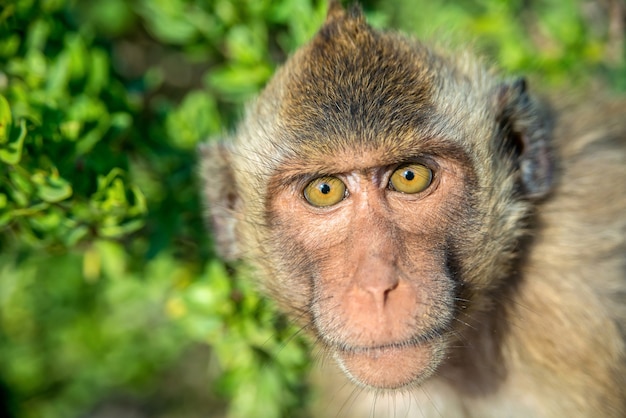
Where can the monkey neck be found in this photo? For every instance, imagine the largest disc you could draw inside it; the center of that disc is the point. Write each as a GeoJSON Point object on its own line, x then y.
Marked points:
{"type": "Point", "coordinates": [476, 364]}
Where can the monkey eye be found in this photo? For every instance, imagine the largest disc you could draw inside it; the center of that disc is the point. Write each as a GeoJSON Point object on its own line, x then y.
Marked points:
{"type": "Point", "coordinates": [411, 178]}
{"type": "Point", "coordinates": [325, 191]}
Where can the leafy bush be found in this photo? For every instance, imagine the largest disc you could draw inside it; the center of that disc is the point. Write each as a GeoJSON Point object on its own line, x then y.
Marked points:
{"type": "Point", "coordinates": [107, 276]}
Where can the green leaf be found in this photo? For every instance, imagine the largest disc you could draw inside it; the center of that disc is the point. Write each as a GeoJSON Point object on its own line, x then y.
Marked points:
{"type": "Point", "coordinates": [196, 119]}
{"type": "Point", "coordinates": [78, 55]}
{"type": "Point", "coordinates": [46, 221]}
{"type": "Point", "coordinates": [237, 80]}
{"type": "Point", "coordinates": [89, 140]}
{"type": "Point", "coordinates": [5, 120]}
{"type": "Point", "coordinates": [118, 231]}
{"type": "Point", "coordinates": [38, 34]}
{"type": "Point", "coordinates": [75, 235]}
{"type": "Point", "coordinates": [98, 77]}
{"type": "Point", "coordinates": [246, 44]}
{"type": "Point", "coordinates": [140, 206]}
{"type": "Point", "coordinates": [51, 187]}
{"type": "Point", "coordinates": [12, 152]}
{"type": "Point", "coordinates": [9, 45]}
{"type": "Point", "coordinates": [112, 258]}
{"type": "Point", "coordinates": [165, 19]}
{"type": "Point", "coordinates": [58, 75]}
{"type": "Point", "coordinates": [71, 129]}
{"type": "Point", "coordinates": [21, 186]}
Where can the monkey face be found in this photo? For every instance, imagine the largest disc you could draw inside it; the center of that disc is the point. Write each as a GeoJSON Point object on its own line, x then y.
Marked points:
{"type": "Point", "coordinates": [370, 248]}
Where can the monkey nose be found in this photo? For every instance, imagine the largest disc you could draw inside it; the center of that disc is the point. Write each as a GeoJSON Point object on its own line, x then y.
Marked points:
{"type": "Point", "coordinates": [379, 288]}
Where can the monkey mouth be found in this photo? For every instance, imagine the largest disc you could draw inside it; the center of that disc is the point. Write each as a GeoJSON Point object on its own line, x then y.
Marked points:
{"type": "Point", "coordinates": [391, 366]}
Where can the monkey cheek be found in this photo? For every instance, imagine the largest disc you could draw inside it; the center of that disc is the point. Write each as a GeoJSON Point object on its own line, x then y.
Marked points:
{"type": "Point", "coordinates": [390, 367]}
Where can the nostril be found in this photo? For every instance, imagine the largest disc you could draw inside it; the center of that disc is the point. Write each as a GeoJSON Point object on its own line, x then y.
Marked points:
{"type": "Point", "coordinates": [380, 289]}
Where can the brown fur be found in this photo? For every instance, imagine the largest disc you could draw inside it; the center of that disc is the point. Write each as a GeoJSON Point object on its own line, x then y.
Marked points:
{"type": "Point", "coordinates": [499, 290]}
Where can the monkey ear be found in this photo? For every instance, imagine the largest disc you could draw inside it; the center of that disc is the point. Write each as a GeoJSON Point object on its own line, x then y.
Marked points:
{"type": "Point", "coordinates": [525, 126]}
{"type": "Point", "coordinates": [221, 196]}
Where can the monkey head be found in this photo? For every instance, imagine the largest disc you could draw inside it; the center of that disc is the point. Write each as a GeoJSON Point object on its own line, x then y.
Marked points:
{"type": "Point", "coordinates": [380, 188]}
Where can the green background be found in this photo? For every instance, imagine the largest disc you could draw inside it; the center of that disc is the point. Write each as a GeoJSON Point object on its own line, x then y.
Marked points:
{"type": "Point", "coordinates": [112, 300]}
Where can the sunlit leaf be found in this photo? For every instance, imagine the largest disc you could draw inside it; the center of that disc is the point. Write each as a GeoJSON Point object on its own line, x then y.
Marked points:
{"type": "Point", "coordinates": [92, 262]}
{"type": "Point", "coordinates": [195, 120]}
{"type": "Point", "coordinates": [11, 153]}
{"type": "Point", "coordinates": [51, 187]}
{"type": "Point", "coordinates": [5, 120]}
{"type": "Point", "coordinates": [239, 80]}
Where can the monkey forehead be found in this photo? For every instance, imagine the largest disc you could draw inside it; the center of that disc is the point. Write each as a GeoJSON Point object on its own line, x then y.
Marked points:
{"type": "Point", "coordinates": [351, 78]}
{"type": "Point", "coordinates": [355, 86]}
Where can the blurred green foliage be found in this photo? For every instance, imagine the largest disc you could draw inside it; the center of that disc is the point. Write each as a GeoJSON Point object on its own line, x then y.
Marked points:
{"type": "Point", "coordinates": [107, 275]}
{"type": "Point", "coordinates": [561, 42]}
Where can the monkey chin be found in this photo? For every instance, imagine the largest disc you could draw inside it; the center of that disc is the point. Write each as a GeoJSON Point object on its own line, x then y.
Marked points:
{"type": "Point", "coordinates": [389, 367]}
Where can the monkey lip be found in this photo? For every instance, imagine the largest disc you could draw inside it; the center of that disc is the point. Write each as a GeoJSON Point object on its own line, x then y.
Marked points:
{"type": "Point", "coordinates": [390, 366]}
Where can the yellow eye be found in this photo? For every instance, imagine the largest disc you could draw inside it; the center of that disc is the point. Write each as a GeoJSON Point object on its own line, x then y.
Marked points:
{"type": "Point", "coordinates": [325, 191]}
{"type": "Point", "coordinates": [411, 178]}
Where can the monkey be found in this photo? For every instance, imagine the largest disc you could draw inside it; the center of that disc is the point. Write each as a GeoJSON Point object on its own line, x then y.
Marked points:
{"type": "Point", "coordinates": [443, 234]}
